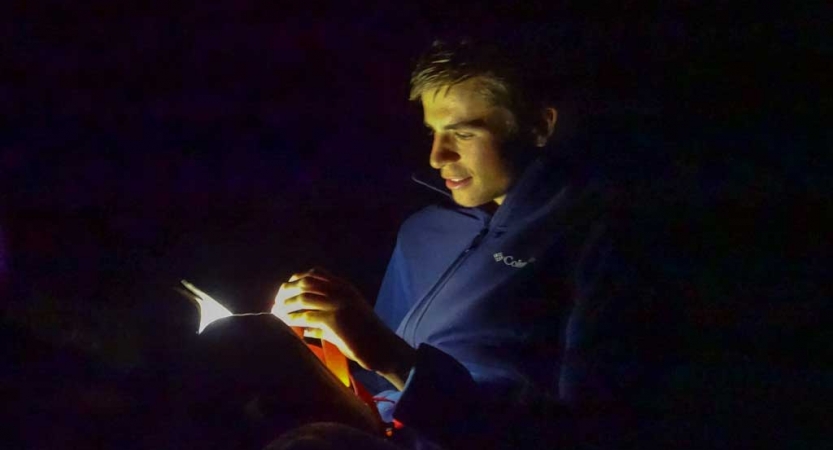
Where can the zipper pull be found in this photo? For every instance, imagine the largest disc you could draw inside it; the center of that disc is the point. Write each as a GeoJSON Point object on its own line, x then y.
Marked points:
{"type": "Point", "coordinates": [477, 239]}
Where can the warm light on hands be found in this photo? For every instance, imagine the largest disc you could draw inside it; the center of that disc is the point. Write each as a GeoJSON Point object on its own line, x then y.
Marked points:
{"type": "Point", "coordinates": [326, 306]}
{"type": "Point", "coordinates": [331, 308]}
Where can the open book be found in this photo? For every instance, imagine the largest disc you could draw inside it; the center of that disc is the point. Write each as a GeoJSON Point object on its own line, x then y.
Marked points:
{"type": "Point", "coordinates": [255, 359]}
{"type": "Point", "coordinates": [211, 310]}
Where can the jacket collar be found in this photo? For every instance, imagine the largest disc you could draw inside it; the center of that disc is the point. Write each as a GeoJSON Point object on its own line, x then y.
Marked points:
{"type": "Point", "coordinates": [540, 183]}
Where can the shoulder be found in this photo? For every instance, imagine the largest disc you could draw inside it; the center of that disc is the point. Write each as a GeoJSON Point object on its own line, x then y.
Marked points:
{"type": "Point", "coordinates": [438, 218]}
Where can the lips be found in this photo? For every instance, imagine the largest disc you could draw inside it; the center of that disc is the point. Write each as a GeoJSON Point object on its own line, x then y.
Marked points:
{"type": "Point", "coordinates": [457, 183]}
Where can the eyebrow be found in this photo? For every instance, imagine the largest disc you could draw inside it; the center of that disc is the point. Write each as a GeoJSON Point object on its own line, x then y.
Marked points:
{"type": "Point", "coordinates": [476, 123]}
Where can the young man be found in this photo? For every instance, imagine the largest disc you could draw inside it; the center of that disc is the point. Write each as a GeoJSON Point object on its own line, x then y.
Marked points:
{"type": "Point", "coordinates": [488, 316]}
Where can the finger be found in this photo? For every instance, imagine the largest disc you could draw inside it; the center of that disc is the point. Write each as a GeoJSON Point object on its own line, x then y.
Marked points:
{"type": "Point", "coordinates": [315, 272]}
{"type": "Point", "coordinates": [307, 301]}
{"type": "Point", "coordinates": [285, 292]}
{"type": "Point", "coordinates": [294, 288]}
{"type": "Point", "coordinates": [315, 284]}
{"type": "Point", "coordinates": [306, 319]}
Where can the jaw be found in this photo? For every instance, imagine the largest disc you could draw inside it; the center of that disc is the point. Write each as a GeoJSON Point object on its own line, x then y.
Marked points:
{"type": "Point", "coordinates": [469, 197]}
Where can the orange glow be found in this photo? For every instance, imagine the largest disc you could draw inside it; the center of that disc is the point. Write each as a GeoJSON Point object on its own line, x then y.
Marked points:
{"type": "Point", "coordinates": [328, 353]}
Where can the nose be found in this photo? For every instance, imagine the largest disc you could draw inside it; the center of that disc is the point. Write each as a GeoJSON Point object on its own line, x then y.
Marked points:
{"type": "Point", "coordinates": [442, 152]}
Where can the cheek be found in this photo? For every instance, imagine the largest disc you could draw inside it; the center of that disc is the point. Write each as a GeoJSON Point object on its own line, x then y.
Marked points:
{"type": "Point", "coordinates": [481, 153]}
{"type": "Point", "coordinates": [492, 163]}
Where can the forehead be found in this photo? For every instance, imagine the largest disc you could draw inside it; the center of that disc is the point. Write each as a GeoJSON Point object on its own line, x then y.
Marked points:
{"type": "Point", "coordinates": [467, 100]}
{"type": "Point", "coordinates": [468, 94]}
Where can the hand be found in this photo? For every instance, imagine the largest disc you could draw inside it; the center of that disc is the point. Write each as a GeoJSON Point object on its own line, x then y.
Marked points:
{"type": "Point", "coordinates": [332, 309]}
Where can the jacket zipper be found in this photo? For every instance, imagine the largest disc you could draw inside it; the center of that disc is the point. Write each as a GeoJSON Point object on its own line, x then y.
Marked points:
{"type": "Point", "coordinates": [432, 294]}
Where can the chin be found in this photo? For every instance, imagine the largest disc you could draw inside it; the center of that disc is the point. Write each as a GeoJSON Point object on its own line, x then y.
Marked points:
{"type": "Point", "coordinates": [468, 202]}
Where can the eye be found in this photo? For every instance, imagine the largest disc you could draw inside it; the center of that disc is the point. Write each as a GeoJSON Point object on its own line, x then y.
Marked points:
{"type": "Point", "coordinates": [463, 136]}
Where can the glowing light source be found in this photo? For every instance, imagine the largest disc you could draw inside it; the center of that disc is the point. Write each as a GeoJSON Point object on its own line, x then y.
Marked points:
{"type": "Point", "coordinates": [210, 309]}
{"type": "Point", "coordinates": [328, 352]}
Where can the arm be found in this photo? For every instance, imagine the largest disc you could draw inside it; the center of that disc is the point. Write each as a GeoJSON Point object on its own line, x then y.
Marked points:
{"type": "Point", "coordinates": [460, 404]}
{"type": "Point", "coordinates": [617, 340]}
{"type": "Point", "coordinates": [453, 402]}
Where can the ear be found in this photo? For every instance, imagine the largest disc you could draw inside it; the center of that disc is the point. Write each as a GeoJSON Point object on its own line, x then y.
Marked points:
{"type": "Point", "coordinates": [547, 119]}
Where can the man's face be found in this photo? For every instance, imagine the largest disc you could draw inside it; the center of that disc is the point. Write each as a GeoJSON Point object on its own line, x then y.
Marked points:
{"type": "Point", "coordinates": [468, 131]}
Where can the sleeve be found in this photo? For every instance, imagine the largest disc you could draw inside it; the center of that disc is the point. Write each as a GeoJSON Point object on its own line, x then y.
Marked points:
{"type": "Point", "coordinates": [391, 306]}
{"type": "Point", "coordinates": [447, 408]}
{"type": "Point", "coordinates": [618, 333]}
{"type": "Point", "coordinates": [440, 397]}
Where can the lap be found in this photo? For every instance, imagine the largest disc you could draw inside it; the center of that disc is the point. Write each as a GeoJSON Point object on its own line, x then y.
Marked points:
{"type": "Point", "coordinates": [252, 378]}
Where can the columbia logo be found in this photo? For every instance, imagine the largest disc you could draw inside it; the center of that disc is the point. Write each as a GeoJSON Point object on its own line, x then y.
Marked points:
{"type": "Point", "coordinates": [511, 261]}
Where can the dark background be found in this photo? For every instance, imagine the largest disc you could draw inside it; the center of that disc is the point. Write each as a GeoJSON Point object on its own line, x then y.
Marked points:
{"type": "Point", "coordinates": [234, 143]}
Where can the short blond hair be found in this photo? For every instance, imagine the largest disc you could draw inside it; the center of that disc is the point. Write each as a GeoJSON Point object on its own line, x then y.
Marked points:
{"type": "Point", "coordinates": [509, 76]}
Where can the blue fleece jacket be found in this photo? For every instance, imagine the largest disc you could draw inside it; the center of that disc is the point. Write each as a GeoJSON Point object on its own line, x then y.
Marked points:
{"type": "Point", "coordinates": [510, 307]}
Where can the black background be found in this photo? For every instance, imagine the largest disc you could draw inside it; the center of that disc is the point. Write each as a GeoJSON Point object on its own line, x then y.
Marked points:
{"type": "Point", "coordinates": [234, 143]}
